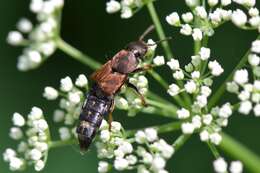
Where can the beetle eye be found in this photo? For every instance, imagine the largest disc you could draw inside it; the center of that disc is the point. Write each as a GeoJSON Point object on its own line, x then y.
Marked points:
{"type": "Point", "coordinates": [136, 53]}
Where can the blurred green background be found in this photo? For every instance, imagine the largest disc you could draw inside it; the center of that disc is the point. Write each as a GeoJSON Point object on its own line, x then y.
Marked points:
{"type": "Point", "coordinates": [86, 26]}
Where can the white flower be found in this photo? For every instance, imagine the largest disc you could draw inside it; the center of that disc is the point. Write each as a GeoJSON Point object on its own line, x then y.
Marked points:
{"type": "Point", "coordinates": [41, 146]}
{"type": "Point", "coordinates": [147, 158]}
{"type": "Point", "coordinates": [8, 154]}
{"type": "Point", "coordinates": [120, 164]}
{"type": "Point", "coordinates": [105, 135]}
{"type": "Point", "coordinates": [103, 167]}
{"type": "Point", "coordinates": [204, 135]}
{"type": "Point", "coordinates": [215, 68]}
{"type": "Point", "coordinates": [241, 76]}
{"type": "Point", "coordinates": [204, 53]}
{"type": "Point", "coordinates": [140, 137]}
{"type": "Point", "coordinates": [225, 111]}
{"type": "Point", "coordinates": [178, 75]}
{"type": "Point", "coordinates": [81, 81]}
{"type": "Point", "coordinates": [255, 47]}
{"type": "Point", "coordinates": [126, 147]}
{"type": "Point", "coordinates": [142, 81]}
{"type": "Point", "coordinates": [201, 12]}
{"type": "Point", "coordinates": [24, 25]}
{"type": "Point", "coordinates": [173, 89]}
{"type": "Point", "coordinates": [36, 6]}
{"type": "Point", "coordinates": [220, 165]}
{"type": "Point", "coordinates": [66, 84]}
{"type": "Point", "coordinates": [254, 21]}
{"type": "Point", "coordinates": [186, 29]}
{"type": "Point", "coordinates": [158, 163]}
{"type": "Point", "coordinates": [183, 113]}
{"type": "Point", "coordinates": [159, 60]}
{"type": "Point", "coordinates": [50, 93]}
{"type": "Point", "coordinates": [245, 107]}
{"type": "Point", "coordinates": [121, 103]}
{"type": "Point", "coordinates": [58, 115]}
{"type": "Point", "coordinates": [34, 58]}
{"type": "Point", "coordinates": [253, 60]}
{"type": "Point", "coordinates": [257, 85]}
{"type": "Point", "coordinates": [239, 18]}
{"type": "Point", "coordinates": [225, 2]}
{"type": "Point", "coordinates": [197, 34]}
{"type": "Point", "coordinates": [257, 110]}
{"type": "Point", "coordinates": [192, 3]}
{"type": "Point", "coordinates": [115, 126]}
{"type": "Point", "coordinates": [47, 48]}
{"type": "Point", "coordinates": [166, 149]}
{"type": "Point", "coordinates": [74, 97]}
{"type": "Point", "coordinates": [16, 133]}
{"type": "Point", "coordinates": [173, 64]}
{"type": "Point", "coordinates": [232, 87]}
{"type": "Point", "coordinates": [187, 17]}
{"type": "Point", "coordinates": [152, 46]}
{"type": "Point", "coordinates": [249, 3]}
{"type": "Point", "coordinates": [16, 164]}
{"type": "Point", "coordinates": [207, 119]}
{"type": "Point", "coordinates": [14, 38]}
{"type": "Point", "coordinates": [112, 6]}
{"type": "Point", "coordinates": [132, 159]}
{"type": "Point", "coordinates": [187, 128]}
{"type": "Point", "coordinates": [64, 133]}
{"type": "Point", "coordinates": [126, 13]}
{"type": "Point", "coordinates": [151, 134]}
{"type": "Point", "coordinates": [236, 167]}
{"type": "Point", "coordinates": [35, 114]}
{"type": "Point", "coordinates": [40, 125]}
{"type": "Point", "coordinates": [18, 119]}
{"type": "Point", "coordinates": [205, 90]}
{"type": "Point", "coordinates": [253, 12]}
{"type": "Point", "coordinates": [39, 165]}
{"type": "Point", "coordinates": [244, 95]}
{"type": "Point", "coordinates": [212, 2]}
{"type": "Point", "coordinates": [35, 154]}
{"type": "Point", "coordinates": [190, 86]}
{"type": "Point", "coordinates": [173, 19]}
{"type": "Point", "coordinates": [215, 138]}
{"type": "Point", "coordinates": [201, 100]}
{"type": "Point", "coordinates": [195, 75]}
{"type": "Point", "coordinates": [196, 121]}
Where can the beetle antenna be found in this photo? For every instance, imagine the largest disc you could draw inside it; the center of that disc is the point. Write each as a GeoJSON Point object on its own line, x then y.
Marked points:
{"type": "Point", "coordinates": [159, 41]}
{"type": "Point", "coordinates": [146, 32]}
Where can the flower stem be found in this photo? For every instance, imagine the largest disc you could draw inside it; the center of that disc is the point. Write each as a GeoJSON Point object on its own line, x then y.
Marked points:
{"type": "Point", "coordinates": [218, 94]}
{"type": "Point", "coordinates": [76, 54]}
{"type": "Point", "coordinates": [171, 109]}
{"type": "Point", "coordinates": [55, 144]}
{"type": "Point", "coordinates": [214, 150]}
{"type": "Point", "coordinates": [180, 141]}
{"type": "Point", "coordinates": [159, 29]}
{"type": "Point", "coordinates": [170, 127]}
{"type": "Point", "coordinates": [240, 152]}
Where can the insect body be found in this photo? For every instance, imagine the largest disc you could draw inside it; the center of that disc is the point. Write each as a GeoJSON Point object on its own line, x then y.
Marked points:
{"type": "Point", "coordinates": [108, 81]}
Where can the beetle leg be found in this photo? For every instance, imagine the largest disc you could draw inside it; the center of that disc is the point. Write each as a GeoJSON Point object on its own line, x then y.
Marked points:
{"type": "Point", "coordinates": [110, 116]}
{"type": "Point", "coordinates": [130, 85]}
{"type": "Point", "coordinates": [144, 68]}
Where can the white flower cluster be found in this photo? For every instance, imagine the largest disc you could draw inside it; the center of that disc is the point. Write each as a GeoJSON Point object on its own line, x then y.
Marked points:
{"type": "Point", "coordinates": [127, 7]}
{"type": "Point", "coordinates": [129, 99]}
{"type": "Point", "coordinates": [70, 103]}
{"type": "Point", "coordinates": [221, 166]}
{"type": "Point", "coordinates": [39, 43]}
{"type": "Point", "coordinates": [196, 83]}
{"type": "Point", "coordinates": [150, 154]}
{"type": "Point", "coordinates": [207, 20]}
{"type": "Point", "coordinates": [34, 138]}
{"type": "Point", "coordinates": [248, 93]}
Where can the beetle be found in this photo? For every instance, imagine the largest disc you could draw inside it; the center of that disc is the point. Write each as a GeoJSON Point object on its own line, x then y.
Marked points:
{"type": "Point", "coordinates": [108, 81]}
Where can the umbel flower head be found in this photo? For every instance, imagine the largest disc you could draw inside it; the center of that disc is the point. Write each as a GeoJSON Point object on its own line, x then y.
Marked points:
{"type": "Point", "coordinates": [38, 40]}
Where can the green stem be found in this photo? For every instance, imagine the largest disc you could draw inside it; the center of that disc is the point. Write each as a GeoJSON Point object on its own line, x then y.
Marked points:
{"type": "Point", "coordinates": [240, 152]}
{"type": "Point", "coordinates": [76, 54]}
{"type": "Point", "coordinates": [55, 144]}
{"type": "Point", "coordinates": [180, 141]}
{"type": "Point", "coordinates": [197, 46]}
{"type": "Point", "coordinates": [171, 109]}
{"type": "Point", "coordinates": [170, 127]}
{"type": "Point", "coordinates": [213, 149]}
{"type": "Point", "coordinates": [159, 29]}
{"type": "Point", "coordinates": [218, 94]}
{"type": "Point", "coordinates": [158, 78]}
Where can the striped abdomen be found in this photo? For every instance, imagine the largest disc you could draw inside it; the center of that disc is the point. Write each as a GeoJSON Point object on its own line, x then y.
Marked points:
{"type": "Point", "coordinates": [96, 106]}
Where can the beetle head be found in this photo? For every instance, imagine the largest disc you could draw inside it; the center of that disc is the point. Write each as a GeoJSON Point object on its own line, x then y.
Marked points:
{"type": "Point", "coordinates": [138, 48]}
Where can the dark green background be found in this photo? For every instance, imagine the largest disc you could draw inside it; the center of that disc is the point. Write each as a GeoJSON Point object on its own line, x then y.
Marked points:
{"type": "Point", "coordinates": [86, 26]}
